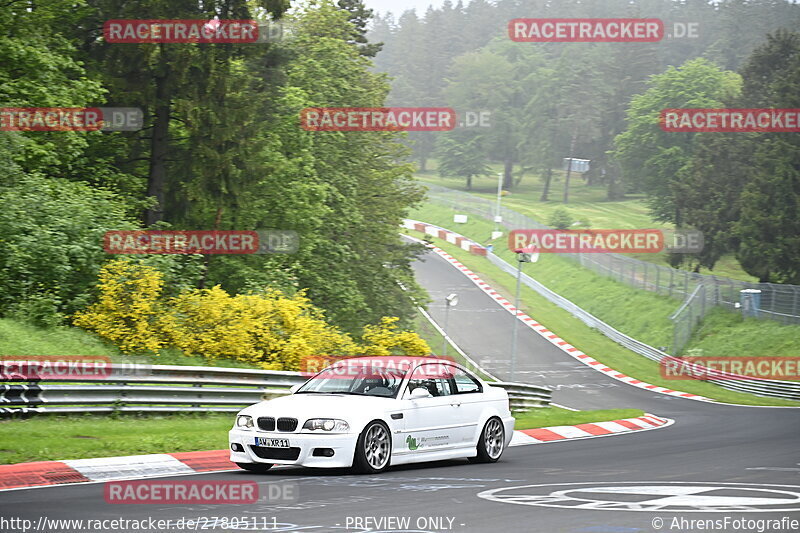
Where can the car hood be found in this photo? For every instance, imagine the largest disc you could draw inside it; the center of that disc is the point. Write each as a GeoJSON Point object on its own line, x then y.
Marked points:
{"type": "Point", "coordinates": [320, 406]}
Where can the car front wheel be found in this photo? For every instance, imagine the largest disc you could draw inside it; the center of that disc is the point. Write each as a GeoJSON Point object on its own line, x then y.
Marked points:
{"type": "Point", "coordinates": [373, 449]}
{"type": "Point", "coordinates": [491, 443]}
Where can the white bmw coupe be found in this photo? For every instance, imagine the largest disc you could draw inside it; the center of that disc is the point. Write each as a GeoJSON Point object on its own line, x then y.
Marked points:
{"type": "Point", "coordinates": [372, 412]}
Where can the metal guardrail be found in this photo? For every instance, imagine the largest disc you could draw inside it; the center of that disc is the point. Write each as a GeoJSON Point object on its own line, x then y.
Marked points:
{"type": "Point", "coordinates": [773, 388]}
{"type": "Point", "coordinates": [779, 302]}
{"type": "Point", "coordinates": [789, 390]}
{"type": "Point", "coordinates": [170, 389]}
{"type": "Point", "coordinates": [523, 396]}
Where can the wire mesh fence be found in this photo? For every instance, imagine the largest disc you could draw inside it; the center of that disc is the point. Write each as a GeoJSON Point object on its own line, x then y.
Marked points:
{"type": "Point", "coordinates": [688, 312]}
{"type": "Point", "coordinates": [687, 318]}
{"type": "Point", "coordinates": [699, 292]}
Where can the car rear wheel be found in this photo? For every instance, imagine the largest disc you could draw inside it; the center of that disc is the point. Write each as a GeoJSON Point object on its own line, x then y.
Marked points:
{"type": "Point", "coordinates": [492, 442]}
{"type": "Point", "coordinates": [254, 467]}
{"type": "Point", "coordinates": [373, 449]}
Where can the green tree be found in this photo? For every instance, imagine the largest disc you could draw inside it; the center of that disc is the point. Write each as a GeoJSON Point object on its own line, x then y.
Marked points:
{"type": "Point", "coordinates": [738, 189]}
{"type": "Point", "coordinates": [539, 144]}
{"type": "Point", "coordinates": [650, 158]}
{"type": "Point", "coordinates": [39, 67]}
{"type": "Point", "coordinates": [52, 240]}
{"type": "Point", "coordinates": [769, 226]}
{"type": "Point", "coordinates": [560, 219]}
{"type": "Point", "coordinates": [709, 192]}
{"type": "Point", "coordinates": [489, 81]}
{"type": "Point", "coordinates": [624, 71]}
{"type": "Point", "coordinates": [460, 154]}
{"type": "Point", "coordinates": [360, 16]}
{"type": "Point", "coordinates": [344, 192]}
{"type": "Point", "coordinates": [192, 130]}
{"type": "Point", "coordinates": [582, 95]}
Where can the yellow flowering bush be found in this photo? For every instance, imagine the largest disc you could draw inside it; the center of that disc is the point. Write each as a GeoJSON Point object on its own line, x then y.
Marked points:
{"type": "Point", "coordinates": [271, 330]}
{"type": "Point", "coordinates": [386, 339]}
{"type": "Point", "coordinates": [129, 309]}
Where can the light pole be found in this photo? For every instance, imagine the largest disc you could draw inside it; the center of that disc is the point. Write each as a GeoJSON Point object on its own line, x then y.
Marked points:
{"type": "Point", "coordinates": [524, 255]}
{"type": "Point", "coordinates": [450, 301]}
{"type": "Point", "coordinates": [497, 217]}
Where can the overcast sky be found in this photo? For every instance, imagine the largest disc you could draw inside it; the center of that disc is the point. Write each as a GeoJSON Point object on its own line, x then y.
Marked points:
{"type": "Point", "coordinates": [398, 6]}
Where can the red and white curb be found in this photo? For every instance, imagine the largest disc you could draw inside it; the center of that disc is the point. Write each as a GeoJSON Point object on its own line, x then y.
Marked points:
{"type": "Point", "coordinates": [48, 473]}
{"type": "Point", "coordinates": [530, 322]}
{"type": "Point", "coordinates": [447, 235]}
{"type": "Point", "coordinates": [589, 430]}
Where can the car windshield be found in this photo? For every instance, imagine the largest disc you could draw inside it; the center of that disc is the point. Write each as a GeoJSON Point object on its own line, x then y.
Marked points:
{"type": "Point", "coordinates": [349, 379]}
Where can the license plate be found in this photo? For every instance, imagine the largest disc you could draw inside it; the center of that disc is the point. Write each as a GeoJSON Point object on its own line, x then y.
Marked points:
{"type": "Point", "coordinates": [272, 443]}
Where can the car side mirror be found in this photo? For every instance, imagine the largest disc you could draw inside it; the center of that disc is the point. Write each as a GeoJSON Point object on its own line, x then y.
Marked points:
{"type": "Point", "coordinates": [420, 392]}
{"type": "Point", "coordinates": [294, 388]}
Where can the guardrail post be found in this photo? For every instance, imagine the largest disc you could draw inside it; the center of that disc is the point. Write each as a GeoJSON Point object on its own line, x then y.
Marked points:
{"type": "Point", "coordinates": [644, 280]}
{"type": "Point", "coordinates": [675, 326]}
{"type": "Point", "coordinates": [702, 300]}
{"type": "Point", "coordinates": [200, 395]}
{"type": "Point", "coordinates": [658, 275]}
{"type": "Point", "coordinates": [671, 279]}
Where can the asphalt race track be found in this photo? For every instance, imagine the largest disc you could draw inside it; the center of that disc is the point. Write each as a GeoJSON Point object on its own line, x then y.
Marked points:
{"type": "Point", "coordinates": [738, 467]}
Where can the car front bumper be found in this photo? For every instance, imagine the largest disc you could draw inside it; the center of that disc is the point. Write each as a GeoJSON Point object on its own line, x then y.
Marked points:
{"type": "Point", "coordinates": [508, 425]}
{"type": "Point", "coordinates": [342, 444]}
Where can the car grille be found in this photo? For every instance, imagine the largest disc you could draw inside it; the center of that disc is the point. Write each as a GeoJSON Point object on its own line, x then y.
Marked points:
{"type": "Point", "coordinates": [267, 423]}
{"type": "Point", "coordinates": [282, 454]}
{"type": "Point", "coordinates": [287, 424]}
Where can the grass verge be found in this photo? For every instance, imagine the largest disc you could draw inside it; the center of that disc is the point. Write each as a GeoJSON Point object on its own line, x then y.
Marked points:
{"type": "Point", "coordinates": [586, 203]}
{"type": "Point", "coordinates": [19, 338]}
{"type": "Point", "coordinates": [88, 436]}
{"type": "Point", "coordinates": [592, 341]}
{"type": "Point", "coordinates": [46, 438]}
{"type": "Point", "coordinates": [556, 416]}
{"type": "Point", "coordinates": [641, 314]}
{"type": "Point", "coordinates": [614, 302]}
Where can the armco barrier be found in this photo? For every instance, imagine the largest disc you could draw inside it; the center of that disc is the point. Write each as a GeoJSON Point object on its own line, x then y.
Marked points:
{"type": "Point", "coordinates": [170, 389]}
{"type": "Point", "coordinates": [789, 390]}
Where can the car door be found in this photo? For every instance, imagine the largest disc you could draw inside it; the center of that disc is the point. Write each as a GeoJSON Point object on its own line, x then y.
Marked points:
{"type": "Point", "coordinates": [429, 421]}
{"type": "Point", "coordinates": [468, 399]}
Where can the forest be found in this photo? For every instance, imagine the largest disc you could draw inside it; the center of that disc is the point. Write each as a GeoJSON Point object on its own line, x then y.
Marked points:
{"type": "Point", "coordinates": [602, 102]}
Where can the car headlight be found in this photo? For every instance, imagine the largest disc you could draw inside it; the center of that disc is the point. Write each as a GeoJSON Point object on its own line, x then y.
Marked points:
{"type": "Point", "coordinates": [326, 424]}
{"type": "Point", "coordinates": [244, 421]}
